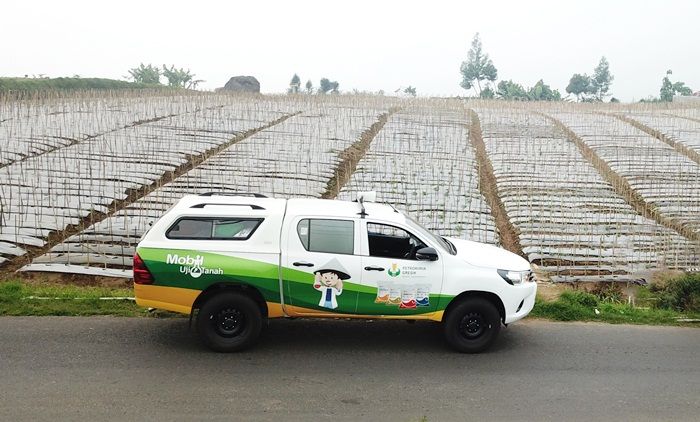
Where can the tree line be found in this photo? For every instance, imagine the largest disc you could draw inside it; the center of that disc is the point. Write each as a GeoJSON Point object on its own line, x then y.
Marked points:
{"type": "Point", "coordinates": [325, 86]}
{"type": "Point", "coordinates": [177, 78]}
{"type": "Point", "coordinates": [479, 70]}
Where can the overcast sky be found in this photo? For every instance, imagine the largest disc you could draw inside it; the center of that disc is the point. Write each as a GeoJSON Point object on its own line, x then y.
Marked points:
{"type": "Point", "coordinates": [367, 45]}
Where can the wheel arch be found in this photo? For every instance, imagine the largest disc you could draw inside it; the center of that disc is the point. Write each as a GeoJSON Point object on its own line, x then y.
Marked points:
{"type": "Point", "coordinates": [490, 296]}
{"type": "Point", "coordinates": [220, 287]}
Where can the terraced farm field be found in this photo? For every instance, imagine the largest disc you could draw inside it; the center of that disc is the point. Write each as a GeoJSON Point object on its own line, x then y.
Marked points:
{"type": "Point", "coordinates": [586, 193]}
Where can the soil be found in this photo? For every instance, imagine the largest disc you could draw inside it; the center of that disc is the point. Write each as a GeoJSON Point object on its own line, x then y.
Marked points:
{"type": "Point", "coordinates": [352, 155]}
{"type": "Point", "coordinates": [487, 185]}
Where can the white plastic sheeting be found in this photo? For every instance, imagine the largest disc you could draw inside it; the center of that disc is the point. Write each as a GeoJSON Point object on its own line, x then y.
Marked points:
{"type": "Point", "coordinates": [51, 191]}
{"type": "Point", "coordinates": [666, 179]}
{"type": "Point", "coordinates": [571, 221]}
{"type": "Point", "coordinates": [423, 163]}
{"type": "Point", "coordinates": [294, 158]}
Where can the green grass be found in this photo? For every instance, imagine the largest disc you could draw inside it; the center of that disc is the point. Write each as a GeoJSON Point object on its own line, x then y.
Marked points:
{"type": "Point", "coordinates": [582, 306]}
{"type": "Point", "coordinates": [66, 84]}
{"type": "Point", "coordinates": [21, 298]}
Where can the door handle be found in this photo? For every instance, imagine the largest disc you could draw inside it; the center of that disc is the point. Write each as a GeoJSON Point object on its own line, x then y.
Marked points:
{"type": "Point", "coordinates": [374, 268]}
{"type": "Point", "coordinates": [302, 264]}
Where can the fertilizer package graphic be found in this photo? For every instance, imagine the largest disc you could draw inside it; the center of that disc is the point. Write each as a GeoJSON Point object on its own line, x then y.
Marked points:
{"type": "Point", "coordinates": [423, 295]}
{"type": "Point", "coordinates": [383, 289]}
{"type": "Point", "coordinates": [394, 295]}
{"type": "Point", "coordinates": [408, 297]}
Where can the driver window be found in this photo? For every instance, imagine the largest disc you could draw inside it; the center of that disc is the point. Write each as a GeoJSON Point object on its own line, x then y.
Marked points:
{"type": "Point", "coordinates": [392, 242]}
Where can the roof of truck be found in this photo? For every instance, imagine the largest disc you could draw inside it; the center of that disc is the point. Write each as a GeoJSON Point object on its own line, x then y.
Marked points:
{"type": "Point", "coordinates": [294, 206]}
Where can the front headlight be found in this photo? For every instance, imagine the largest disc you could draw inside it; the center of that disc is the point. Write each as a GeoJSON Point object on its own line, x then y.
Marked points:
{"type": "Point", "coordinates": [514, 277]}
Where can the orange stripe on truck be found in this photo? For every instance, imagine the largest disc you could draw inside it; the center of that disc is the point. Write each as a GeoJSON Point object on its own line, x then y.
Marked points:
{"type": "Point", "coordinates": [174, 299]}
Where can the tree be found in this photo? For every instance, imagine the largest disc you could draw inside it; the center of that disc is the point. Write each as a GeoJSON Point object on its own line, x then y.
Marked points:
{"type": "Point", "coordinates": [682, 89]}
{"type": "Point", "coordinates": [410, 90]}
{"type": "Point", "coordinates": [580, 85]}
{"type": "Point", "coordinates": [477, 68]}
{"type": "Point", "coordinates": [669, 89]}
{"type": "Point", "coordinates": [145, 74]}
{"type": "Point", "coordinates": [666, 91]}
{"type": "Point", "coordinates": [543, 92]}
{"type": "Point", "coordinates": [327, 86]}
{"type": "Point", "coordinates": [309, 87]}
{"type": "Point", "coordinates": [601, 80]}
{"type": "Point", "coordinates": [180, 78]}
{"type": "Point", "coordinates": [509, 90]}
{"type": "Point", "coordinates": [294, 85]}
{"type": "Point", "coordinates": [324, 86]}
{"type": "Point", "coordinates": [487, 93]}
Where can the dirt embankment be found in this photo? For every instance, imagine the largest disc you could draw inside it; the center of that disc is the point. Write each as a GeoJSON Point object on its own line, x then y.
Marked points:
{"type": "Point", "coordinates": [487, 185]}
{"type": "Point", "coordinates": [351, 156]}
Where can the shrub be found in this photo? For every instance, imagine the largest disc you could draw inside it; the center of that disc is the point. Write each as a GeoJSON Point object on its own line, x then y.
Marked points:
{"type": "Point", "coordinates": [608, 292]}
{"type": "Point", "coordinates": [680, 293]}
{"type": "Point", "coordinates": [584, 299]}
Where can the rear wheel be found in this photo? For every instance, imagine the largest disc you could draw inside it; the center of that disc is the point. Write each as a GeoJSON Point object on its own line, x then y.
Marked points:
{"type": "Point", "coordinates": [229, 322]}
{"type": "Point", "coordinates": [472, 325]}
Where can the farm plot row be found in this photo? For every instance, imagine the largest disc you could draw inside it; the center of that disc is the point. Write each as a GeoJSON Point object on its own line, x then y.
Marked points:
{"type": "Point", "coordinates": [571, 222]}
{"type": "Point", "coordinates": [690, 113]}
{"type": "Point", "coordinates": [423, 163]}
{"type": "Point", "coordinates": [32, 127]}
{"type": "Point", "coordinates": [665, 179]}
{"type": "Point", "coordinates": [52, 191]}
{"type": "Point", "coordinates": [684, 132]}
{"type": "Point", "coordinates": [294, 158]}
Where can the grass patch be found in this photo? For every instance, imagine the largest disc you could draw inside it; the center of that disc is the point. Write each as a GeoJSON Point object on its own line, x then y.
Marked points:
{"type": "Point", "coordinates": [27, 298]}
{"type": "Point", "coordinates": [22, 298]}
{"type": "Point", "coordinates": [582, 306]}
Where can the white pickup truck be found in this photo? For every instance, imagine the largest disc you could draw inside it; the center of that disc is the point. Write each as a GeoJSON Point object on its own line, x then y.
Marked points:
{"type": "Point", "coordinates": [238, 260]}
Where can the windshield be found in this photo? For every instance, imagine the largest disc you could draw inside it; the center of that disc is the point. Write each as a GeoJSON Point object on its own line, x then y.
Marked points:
{"type": "Point", "coordinates": [444, 243]}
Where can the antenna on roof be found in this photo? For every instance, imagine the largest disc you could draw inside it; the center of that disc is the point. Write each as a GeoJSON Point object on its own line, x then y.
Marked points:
{"type": "Point", "coordinates": [365, 196]}
{"type": "Point", "coordinates": [361, 200]}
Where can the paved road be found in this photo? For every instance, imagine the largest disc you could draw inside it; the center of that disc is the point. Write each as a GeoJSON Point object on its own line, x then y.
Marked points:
{"type": "Point", "coordinates": [122, 368]}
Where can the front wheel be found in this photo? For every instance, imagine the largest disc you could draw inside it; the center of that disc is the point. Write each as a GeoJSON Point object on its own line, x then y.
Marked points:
{"type": "Point", "coordinates": [229, 322]}
{"type": "Point", "coordinates": [472, 325]}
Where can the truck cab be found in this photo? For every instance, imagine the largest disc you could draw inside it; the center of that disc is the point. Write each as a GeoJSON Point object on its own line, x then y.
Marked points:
{"type": "Point", "coordinates": [235, 261]}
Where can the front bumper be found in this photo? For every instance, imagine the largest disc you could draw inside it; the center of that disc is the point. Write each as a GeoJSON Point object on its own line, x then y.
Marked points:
{"type": "Point", "coordinates": [524, 300]}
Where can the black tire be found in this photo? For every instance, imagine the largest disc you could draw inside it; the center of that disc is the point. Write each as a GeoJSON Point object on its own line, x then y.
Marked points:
{"type": "Point", "coordinates": [229, 322]}
{"type": "Point", "coordinates": [472, 325]}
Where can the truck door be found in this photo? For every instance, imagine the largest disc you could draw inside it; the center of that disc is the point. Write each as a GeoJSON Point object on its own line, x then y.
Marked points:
{"type": "Point", "coordinates": [403, 284]}
{"type": "Point", "coordinates": [321, 266]}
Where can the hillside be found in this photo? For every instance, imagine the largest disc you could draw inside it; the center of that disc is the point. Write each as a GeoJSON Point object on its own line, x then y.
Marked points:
{"type": "Point", "coordinates": [585, 192]}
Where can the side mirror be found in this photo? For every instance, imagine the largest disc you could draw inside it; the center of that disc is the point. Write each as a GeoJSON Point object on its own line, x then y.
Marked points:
{"type": "Point", "coordinates": [426, 254]}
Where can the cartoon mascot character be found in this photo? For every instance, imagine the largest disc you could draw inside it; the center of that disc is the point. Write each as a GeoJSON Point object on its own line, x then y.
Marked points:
{"type": "Point", "coordinates": [329, 281]}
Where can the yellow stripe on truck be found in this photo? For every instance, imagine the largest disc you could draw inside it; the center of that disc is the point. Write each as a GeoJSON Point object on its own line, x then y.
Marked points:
{"type": "Point", "coordinates": [174, 299]}
{"type": "Point", "coordinates": [301, 311]}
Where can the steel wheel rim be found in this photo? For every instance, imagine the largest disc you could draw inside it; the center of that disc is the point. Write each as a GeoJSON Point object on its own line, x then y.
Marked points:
{"type": "Point", "coordinates": [228, 322]}
{"type": "Point", "coordinates": [472, 326]}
